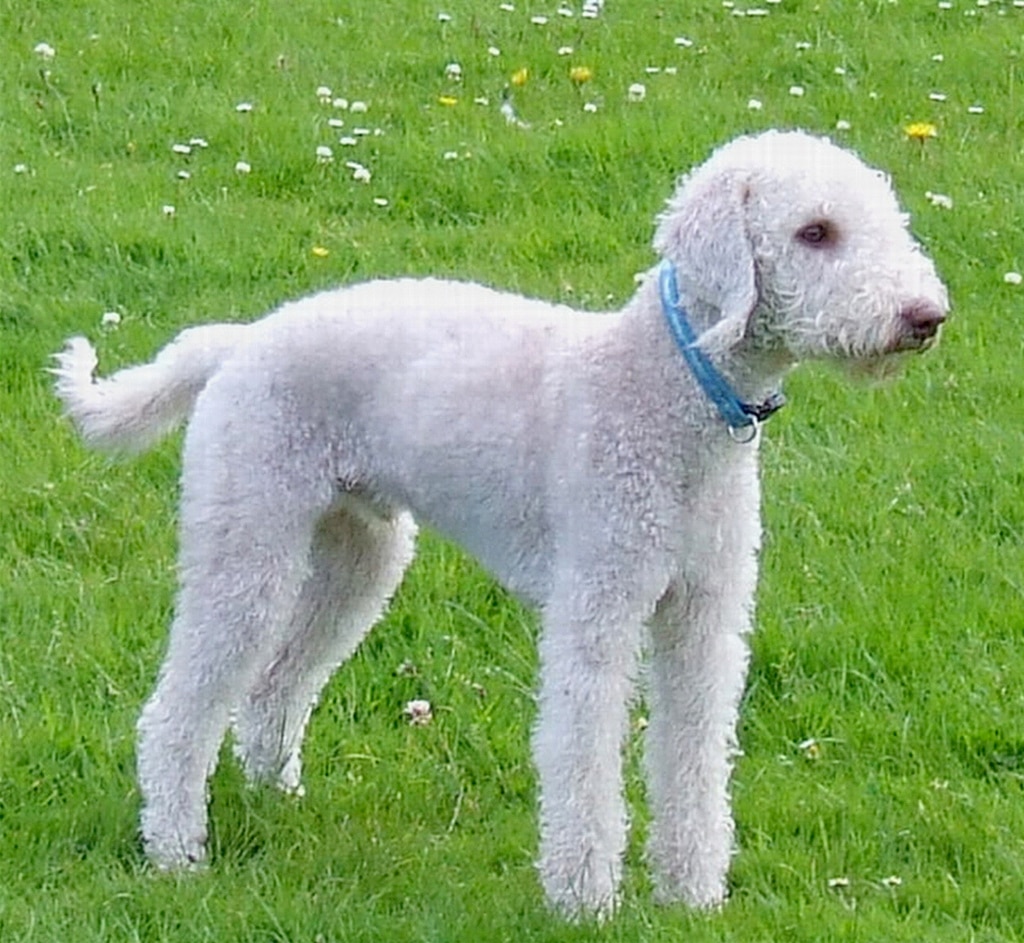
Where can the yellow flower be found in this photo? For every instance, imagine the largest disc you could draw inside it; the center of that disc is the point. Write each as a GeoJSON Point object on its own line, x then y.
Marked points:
{"type": "Point", "coordinates": [581, 73]}
{"type": "Point", "coordinates": [921, 131]}
{"type": "Point", "coordinates": [448, 100]}
{"type": "Point", "coordinates": [520, 76]}
{"type": "Point", "coordinates": [321, 252]}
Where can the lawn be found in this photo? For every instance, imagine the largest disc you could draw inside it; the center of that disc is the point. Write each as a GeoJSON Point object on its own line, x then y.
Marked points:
{"type": "Point", "coordinates": [177, 163]}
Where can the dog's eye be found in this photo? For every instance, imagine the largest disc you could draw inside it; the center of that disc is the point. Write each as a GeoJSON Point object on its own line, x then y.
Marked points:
{"type": "Point", "coordinates": [817, 234]}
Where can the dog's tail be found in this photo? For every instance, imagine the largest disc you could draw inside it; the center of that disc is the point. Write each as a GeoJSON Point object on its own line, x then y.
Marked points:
{"type": "Point", "coordinates": [134, 408]}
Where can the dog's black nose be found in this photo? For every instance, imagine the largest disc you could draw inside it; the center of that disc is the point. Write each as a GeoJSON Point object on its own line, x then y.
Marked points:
{"type": "Point", "coordinates": [922, 319]}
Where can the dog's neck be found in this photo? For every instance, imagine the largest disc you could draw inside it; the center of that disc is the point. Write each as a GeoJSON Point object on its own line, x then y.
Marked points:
{"type": "Point", "coordinates": [753, 372]}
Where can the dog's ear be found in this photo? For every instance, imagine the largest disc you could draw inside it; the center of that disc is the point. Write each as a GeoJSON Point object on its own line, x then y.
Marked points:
{"type": "Point", "coordinates": [703, 233]}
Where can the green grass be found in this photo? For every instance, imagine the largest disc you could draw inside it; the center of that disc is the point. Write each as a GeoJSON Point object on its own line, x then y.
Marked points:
{"type": "Point", "coordinates": [890, 611]}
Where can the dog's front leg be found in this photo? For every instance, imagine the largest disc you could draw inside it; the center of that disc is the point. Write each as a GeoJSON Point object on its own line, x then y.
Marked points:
{"type": "Point", "coordinates": [698, 664]}
{"type": "Point", "coordinates": [588, 653]}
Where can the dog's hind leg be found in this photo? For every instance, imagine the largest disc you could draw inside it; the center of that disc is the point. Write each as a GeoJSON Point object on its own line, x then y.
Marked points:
{"type": "Point", "coordinates": [244, 554]}
{"type": "Point", "coordinates": [357, 561]}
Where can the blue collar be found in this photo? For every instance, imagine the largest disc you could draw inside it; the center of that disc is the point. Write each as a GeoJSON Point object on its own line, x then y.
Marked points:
{"type": "Point", "coordinates": [737, 414]}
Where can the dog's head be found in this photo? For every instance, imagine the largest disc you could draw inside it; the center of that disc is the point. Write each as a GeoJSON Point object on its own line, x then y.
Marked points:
{"type": "Point", "coordinates": [801, 249]}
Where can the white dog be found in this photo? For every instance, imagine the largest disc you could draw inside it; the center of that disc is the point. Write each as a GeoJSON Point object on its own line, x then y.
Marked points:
{"type": "Point", "coordinates": [604, 467]}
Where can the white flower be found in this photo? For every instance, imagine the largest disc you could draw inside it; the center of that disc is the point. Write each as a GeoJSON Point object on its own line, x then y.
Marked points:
{"type": "Point", "coordinates": [842, 125]}
{"type": "Point", "coordinates": [198, 142]}
{"type": "Point", "coordinates": [755, 104]}
{"type": "Point", "coordinates": [975, 110]}
{"type": "Point", "coordinates": [110, 319]}
{"type": "Point", "coordinates": [168, 210]}
{"type": "Point", "coordinates": [362, 175]}
{"type": "Point", "coordinates": [380, 201]}
{"type": "Point", "coordinates": [683, 41]}
{"type": "Point", "coordinates": [450, 155]}
{"type": "Point", "coordinates": [507, 7]}
{"type": "Point", "coordinates": [244, 167]}
{"type": "Point", "coordinates": [184, 175]}
{"type": "Point", "coordinates": [838, 882]}
{"type": "Point", "coordinates": [324, 93]}
{"type": "Point", "coordinates": [539, 20]}
{"type": "Point", "coordinates": [44, 50]}
{"type": "Point", "coordinates": [418, 713]}
{"type": "Point", "coordinates": [444, 18]}
{"type": "Point", "coordinates": [590, 108]}
{"type": "Point", "coordinates": [358, 108]}
{"type": "Point", "coordinates": [181, 148]}
{"type": "Point", "coordinates": [797, 91]}
{"type": "Point", "coordinates": [636, 92]}
{"type": "Point", "coordinates": [567, 12]}
{"type": "Point", "coordinates": [1013, 278]}
{"type": "Point", "coordinates": [803, 45]}
{"type": "Point", "coordinates": [938, 57]}
{"type": "Point", "coordinates": [939, 199]}
{"type": "Point", "coordinates": [892, 881]}
{"type": "Point", "coordinates": [324, 155]}
{"type": "Point", "coordinates": [21, 168]}
{"type": "Point", "coordinates": [340, 103]}
{"type": "Point", "coordinates": [937, 97]}
{"type": "Point", "coordinates": [453, 72]}
{"type": "Point", "coordinates": [348, 141]}
{"type": "Point", "coordinates": [565, 50]}
{"type": "Point", "coordinates": [493, 51]}
{"type": "Point", "coordinates": [243, 107]}
{"type": "Point", "coordinates": [652, 69]}
{"type": "Point", "coordinates": [481, 100]}
{"type": "Point", "coordinates": [335, 123]}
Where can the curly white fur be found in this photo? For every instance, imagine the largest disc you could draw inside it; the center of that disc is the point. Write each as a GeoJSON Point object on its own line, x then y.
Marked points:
{"type": "Point", "coordinates": [572, 453]}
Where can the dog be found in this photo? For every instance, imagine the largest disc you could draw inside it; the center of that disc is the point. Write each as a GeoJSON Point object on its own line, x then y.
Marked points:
{"type": "Point", "coordinates": [602, 466]}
